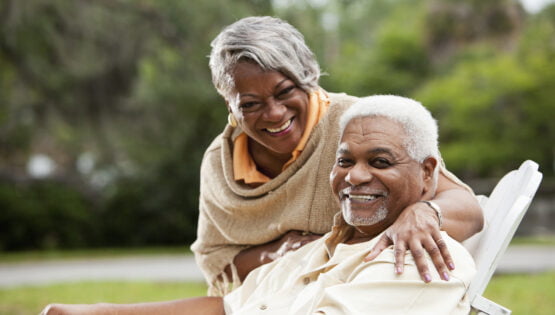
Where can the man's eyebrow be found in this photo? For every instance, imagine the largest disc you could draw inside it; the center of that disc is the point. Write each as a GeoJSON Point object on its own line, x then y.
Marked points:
{"type": "Point", "coordinates": [380, 150]}
{"type": "Point", "coordinates": [343, 151]}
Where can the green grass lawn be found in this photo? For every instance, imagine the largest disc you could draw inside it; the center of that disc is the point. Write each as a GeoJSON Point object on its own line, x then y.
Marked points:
{"type": "Point", "coordinates": [30, 300]}
{"type": "Point", "coordinates": [523, 294]}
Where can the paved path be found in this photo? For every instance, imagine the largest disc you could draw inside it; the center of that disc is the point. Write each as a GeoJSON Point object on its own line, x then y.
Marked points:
{"type": "Point", "coordinates": [517, 259]}
{"type": "Point", "coordinates": [149, 268]}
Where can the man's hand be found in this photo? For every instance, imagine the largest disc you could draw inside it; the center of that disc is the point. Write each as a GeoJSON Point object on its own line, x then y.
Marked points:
{"type": "Point", "coordinates": [209, 305]}
{"type": "Point", "coordinates": [73, 309]}
{"type": "Point", "coordinates": [417, 230]}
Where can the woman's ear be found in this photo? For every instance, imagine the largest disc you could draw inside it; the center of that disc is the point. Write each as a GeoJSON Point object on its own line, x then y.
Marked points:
{"type": "Point", "coordinates": [429, 177]}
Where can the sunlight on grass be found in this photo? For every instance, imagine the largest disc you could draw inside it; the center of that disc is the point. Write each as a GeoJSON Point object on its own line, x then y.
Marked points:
{"type": "Point", "coordinates": [30, 300]}
{"type": "Point", "coordinates": [523, 293]}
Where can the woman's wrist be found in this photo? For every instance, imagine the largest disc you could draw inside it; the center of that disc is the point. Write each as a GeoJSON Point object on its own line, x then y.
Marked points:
{"type": "Point", "coordinates": [434, 206]}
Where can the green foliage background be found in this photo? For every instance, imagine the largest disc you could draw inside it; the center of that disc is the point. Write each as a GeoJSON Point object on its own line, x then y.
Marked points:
{"type": "Point", "coordinates": [126, 82]}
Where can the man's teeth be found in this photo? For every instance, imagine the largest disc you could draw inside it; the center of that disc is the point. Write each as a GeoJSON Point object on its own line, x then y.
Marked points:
{"type": "Point", "coordinates": [280, 128]}
{"type": "Point", "coordinates": [363, 197]}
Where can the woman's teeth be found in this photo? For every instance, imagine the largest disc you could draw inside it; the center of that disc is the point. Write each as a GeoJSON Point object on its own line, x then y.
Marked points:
{"type": "Point", "coordinates": [280, 128]}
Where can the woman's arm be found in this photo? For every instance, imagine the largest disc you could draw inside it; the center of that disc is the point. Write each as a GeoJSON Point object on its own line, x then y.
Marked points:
{"type": "Point", "coordinates": [255, 256]}
{"type": "Point", "coordinates": [417, 228]}
{"type": "Point", "coordinates": [199, 305]}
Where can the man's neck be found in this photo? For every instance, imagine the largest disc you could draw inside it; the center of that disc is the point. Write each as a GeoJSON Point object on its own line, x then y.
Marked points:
{"type": "Point", "coordinates": [359, 236]}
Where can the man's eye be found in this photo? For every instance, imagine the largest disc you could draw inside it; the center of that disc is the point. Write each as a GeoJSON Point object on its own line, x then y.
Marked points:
{"type": "Point", "coordinates": [380, 163]}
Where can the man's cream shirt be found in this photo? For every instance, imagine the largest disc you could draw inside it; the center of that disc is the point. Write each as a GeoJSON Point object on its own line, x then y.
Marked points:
{"type": "Point", "coordinates": [312, 280]}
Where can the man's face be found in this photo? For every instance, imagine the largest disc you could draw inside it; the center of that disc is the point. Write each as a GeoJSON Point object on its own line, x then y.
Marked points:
{"type": "Point", "coordinates": [373, 176]}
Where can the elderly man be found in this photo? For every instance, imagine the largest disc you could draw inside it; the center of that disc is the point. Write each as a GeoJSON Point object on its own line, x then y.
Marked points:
{"type": "Point", "coordinates": [386, 159]}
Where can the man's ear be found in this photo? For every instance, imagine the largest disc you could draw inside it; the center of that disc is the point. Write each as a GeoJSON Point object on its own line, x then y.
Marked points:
{"type": "Point", "coordinates": [429, 177]}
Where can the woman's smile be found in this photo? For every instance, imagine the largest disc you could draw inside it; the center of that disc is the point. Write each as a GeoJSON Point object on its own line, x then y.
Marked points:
{"type": "Point", "coordinates": [281, 130]}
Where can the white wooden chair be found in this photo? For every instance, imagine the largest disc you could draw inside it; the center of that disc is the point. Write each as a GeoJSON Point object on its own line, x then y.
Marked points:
{"type": "Point", "coordinates": [503, 211]}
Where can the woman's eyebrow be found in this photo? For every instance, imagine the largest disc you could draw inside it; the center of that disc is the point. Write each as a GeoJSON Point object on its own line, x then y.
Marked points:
{"type": "Point", "coordinates": [281, 82]}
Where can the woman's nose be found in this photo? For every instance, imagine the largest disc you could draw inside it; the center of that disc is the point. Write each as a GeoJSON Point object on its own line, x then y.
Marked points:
{"type": "Point", "coordinates": [274, 110]}
{"type": "Point", "coordinates": [358, 174]}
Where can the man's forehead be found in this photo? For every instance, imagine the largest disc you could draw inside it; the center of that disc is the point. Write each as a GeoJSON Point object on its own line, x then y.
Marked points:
{"type": "Point", "coordinates": [366, 122]}
{"type": "Point", "coordinates": [373, 127]}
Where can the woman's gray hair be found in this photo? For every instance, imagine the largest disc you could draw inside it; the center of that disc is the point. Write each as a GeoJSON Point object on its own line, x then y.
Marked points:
{"type": "Point", "coordinates": [420, 127]}
{"type": "Point", "coordinates": [271, 43]}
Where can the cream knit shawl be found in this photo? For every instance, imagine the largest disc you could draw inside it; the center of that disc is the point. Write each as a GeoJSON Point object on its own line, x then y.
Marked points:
{"type": "Point", "coordinates": [234, 216]}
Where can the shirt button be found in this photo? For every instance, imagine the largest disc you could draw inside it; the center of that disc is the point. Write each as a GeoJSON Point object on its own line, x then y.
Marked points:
{"type": "Point", "coordinates": [263, 307]}
{"type": "Point", "coordinates": [306, 280]}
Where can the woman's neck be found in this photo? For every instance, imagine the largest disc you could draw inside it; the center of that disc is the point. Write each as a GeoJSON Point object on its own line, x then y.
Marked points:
{"type": "Point", "coordinates": [267, 162]}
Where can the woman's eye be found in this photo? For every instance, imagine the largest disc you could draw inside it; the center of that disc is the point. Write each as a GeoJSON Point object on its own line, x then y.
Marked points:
{"type": "Point", "coordinates": [248, 106]}
{"type": "Point", "coordinates": [286, 91]}
{"type": "Point", "coordinates": [380, 163]}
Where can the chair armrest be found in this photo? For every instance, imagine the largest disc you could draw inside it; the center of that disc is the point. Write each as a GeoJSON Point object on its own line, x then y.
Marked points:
{"type": "Point", "coordinates": [484, 306]}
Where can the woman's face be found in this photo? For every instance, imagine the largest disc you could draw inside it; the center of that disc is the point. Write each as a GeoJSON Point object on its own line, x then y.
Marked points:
{"type": "Point", "coordinates": [269, 107]}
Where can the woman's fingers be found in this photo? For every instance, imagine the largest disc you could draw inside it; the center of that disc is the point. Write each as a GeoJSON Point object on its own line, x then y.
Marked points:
{"type": "Point", "coordinates": [382, 244]}
{"type": "Point", "coordinates": [399, 250]}
{"type": "Point", "coordinates": [293, 240]}
{"type": "Point", "coordinates": [419, 255]}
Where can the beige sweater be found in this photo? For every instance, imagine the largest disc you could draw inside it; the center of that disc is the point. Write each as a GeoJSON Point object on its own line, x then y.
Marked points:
{"type": "Point", "coordinates": [234, 216]}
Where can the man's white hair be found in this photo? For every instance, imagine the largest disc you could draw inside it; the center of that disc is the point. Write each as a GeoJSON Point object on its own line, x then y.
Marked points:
{"type": "Point", "coordinates": [271, 43]}
{"type": "Point", "coordinates": [420, 127]}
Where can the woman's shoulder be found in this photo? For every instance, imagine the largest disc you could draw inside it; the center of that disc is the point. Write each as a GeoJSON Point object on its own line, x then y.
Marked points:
{"type": "Point", "coordinates": [341, 99]}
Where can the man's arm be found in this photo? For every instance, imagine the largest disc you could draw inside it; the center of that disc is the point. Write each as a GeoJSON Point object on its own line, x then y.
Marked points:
{"type": "Point", "coordinates": [199, 305]}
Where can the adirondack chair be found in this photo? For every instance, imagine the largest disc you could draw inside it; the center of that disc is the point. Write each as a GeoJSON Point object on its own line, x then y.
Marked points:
{"type": "Point", "coordinates": [503, 211]}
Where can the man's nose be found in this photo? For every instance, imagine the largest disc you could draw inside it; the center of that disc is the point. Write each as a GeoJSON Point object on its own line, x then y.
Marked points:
{"type": "Point", "coordinates": [274, 110]}
{"type": "Point", "coordinates": [359, 174]}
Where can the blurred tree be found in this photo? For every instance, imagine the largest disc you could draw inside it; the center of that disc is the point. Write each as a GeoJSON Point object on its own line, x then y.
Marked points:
{"type": "Point", "coordinates": [125, 82]}
{"type": "Point", "coordinates": [452, 25]}
{"type": "Point", "coordinates": [492, 105]}
{"type": "Point", "coordinates": [118, 94]}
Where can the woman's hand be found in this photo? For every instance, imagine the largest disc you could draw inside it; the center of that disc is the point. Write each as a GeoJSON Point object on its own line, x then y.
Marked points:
{"type": "Point", "coordinates": [290, 241]}
{"type": "Point", "coordinates": [254, 256]}
{"type": "Point", "coordinates": [417, 230]}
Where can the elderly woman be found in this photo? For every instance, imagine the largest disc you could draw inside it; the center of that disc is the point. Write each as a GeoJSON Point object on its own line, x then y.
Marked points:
{"type": "Point", "coordinates": [264, 180]}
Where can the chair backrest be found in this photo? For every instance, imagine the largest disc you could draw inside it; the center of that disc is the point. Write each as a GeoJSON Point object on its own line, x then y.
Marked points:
{"type": "Point", "coordinates": [503, 211]}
